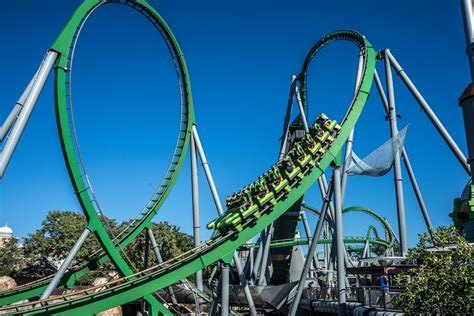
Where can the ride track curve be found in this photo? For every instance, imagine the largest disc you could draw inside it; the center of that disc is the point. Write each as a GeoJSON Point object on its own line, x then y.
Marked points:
{"type": "Point", "coordinates": [282, 243]}
{"type": "Point", "coordinates": [223, 244]}
{"type": "Point", "coordinates": [112, 247]}
{"type": "Point", "coordinates": [392, 238]}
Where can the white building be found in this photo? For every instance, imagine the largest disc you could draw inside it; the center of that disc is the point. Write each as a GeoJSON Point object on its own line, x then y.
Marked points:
{"type": "Point", "coordinates": [6, 233]}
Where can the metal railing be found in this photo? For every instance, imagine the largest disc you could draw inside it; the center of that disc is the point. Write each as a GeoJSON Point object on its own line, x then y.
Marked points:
{"type": "Point", "coordinates": [369, 296]}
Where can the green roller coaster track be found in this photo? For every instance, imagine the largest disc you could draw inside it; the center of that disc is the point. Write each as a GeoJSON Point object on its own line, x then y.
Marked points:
{"type": "Point", "coordinates": [383, 221]}
{"type": "Point", "coordinates": [308, 167]}
{"type": "Point", "coordinates": [372, 235]}
{"type": "Point", "coordinates": [112, 247]}
{"type": "Point", "coordinates": [282, 243]}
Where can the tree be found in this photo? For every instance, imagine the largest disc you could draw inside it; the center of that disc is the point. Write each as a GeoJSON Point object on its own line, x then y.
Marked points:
{"type": "Point", "coordinates": [444, 281]}
{"type": "Point", "coordinates": [171, 243]}
{"type": "Point", "coordinates": [58, 233]}
{"type": "Point", "coordinates": [11, 258]}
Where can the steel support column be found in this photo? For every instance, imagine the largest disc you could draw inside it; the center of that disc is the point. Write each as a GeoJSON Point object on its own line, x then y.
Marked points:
{"type": "Point", "coordinates": [406, 160]}
{"type": "Point", "coordinates": [11, 118]}
{"type": "Point", "coordinates": [195, 202]}
{"type": "Point", "coordinates": [251, 264]}
{"type": "Point", "coordinates": [220, 212]}
{"type": "Point", "coordinates": [468, 22]}
{"type": "Point", "coordinates": [65, 265]}
{"type": "Point", "coordinates": [315, 264]}
{"type": "Point", "coordinates": [429, 112]}
{"type": "Point", "coordinates": [310, 255]}
{"type": "Point", "coordinates": [25, 112]}
{"type": "Point", "coordinates": [258, 257]}
{"type": "Point", "coordinates": [396, 163]}
{"type": "Point", "coordinates": [341, 268]}
{"type": "Point", "coordinates": [156, 250]}
{"type": "Point", "coordinates": [286, 124]}
{"type": "Point", "coordinates": [301, 108]}
{"type": "Point", "coordinates": [225, 290]}
{"type": "Point", "coordinates": [350, 139]}
{"type": "Point", "coordinates": [266, 251]}
{"type": "Point", "coordinates": [466, 101]}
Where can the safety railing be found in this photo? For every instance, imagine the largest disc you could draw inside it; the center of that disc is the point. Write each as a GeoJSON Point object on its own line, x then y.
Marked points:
{"type": "Point", "coordinates": [369, 296]}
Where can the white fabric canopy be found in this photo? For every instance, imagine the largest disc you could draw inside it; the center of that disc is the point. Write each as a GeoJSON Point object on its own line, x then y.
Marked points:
{"type": "Point", "coordinates": [380, 161]}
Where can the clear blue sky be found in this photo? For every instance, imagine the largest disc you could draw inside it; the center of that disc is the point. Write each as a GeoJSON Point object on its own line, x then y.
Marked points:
{"type": "Point", "coordinates": [241, 56]}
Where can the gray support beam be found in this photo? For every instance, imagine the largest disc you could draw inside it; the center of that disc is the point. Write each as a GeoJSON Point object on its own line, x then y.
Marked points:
{"type": "Point", "coordinates": [156, 250]}
{"type": "Point", "coordinates": [310, 255]}
{"type": "Point", "coordinates": [347, 162]}
{"type": "Point", "coordinates": [207, 171]}
{"type": "Point", "coordinates": [286, 124]}
{"type": "Point", "coordinates": [331, 215]}
{"type": "Point", "coordinates": [396, 164]}
{"type": "Point", "coordinates": [146, 258]}
{"type": "Point", "coordinates": [258, 258]}
{"type": "Point", "coordinates": [213, 273]}
{"type": "Point", "coordinates": [5, 128]}
{"type": "Point", "coordinates": [416, 189]}
{"type": "Point", "coordinates": [25, 112]}
{"type": "Point", "coordinates": [341, 270]}
{"type": "Point", "coordinates": [466, 9]}
{"type": "Point", "coordinates": [146, 255]}
{"type": "Point", "coordinates": [225, 290]}
{"type": "Point", "coordinates": [350, 139]}
{"type": "Point", "coordinates": [326, 246]}
{"type": "Point", "coordinates": [323, 189]}
{"type": "Point", "coordinates": [220, 211]}
{"type": "Point", "coordinates": [251, 264]}
{"type": "Point", "coordinates": [65, 265]}
{"type": "Point", "coordinates": [195, 202]}
{"type": "Point", "coordinates": [248, 267]}
{"type": "Point", "coordinates": [308, 235]}
{"type": "Point", "coordinates": [217, 296]}
{"type": "Point", "coordinates": [244, 284]}
{"type": "Point", "coordinates": [215, 301]}
{"type": "Point", "coordinates": [11, 118]}
{"type": "Point", "coordinates": [332, 259]}
{"type": "Point", "coordinates": [429, 112]}
{"type": "Point", "coordinates": [466, 101]}
{"type": "Point", "coordinates": [406, 160]}
{"type": "Point", "coordinates": [266, 251]}
{"type": "Point", "coordinates": [347, 258]}
{"type": "Point", "coordinates": [301, 108]}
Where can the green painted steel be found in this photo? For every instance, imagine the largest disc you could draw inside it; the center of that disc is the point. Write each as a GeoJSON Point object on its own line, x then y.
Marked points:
{"type": "Point", "coordinates": [221, 246]}
{"type": "Point", "coordinates": [366, 210]}
{"type": "Point", "coordinates": [371, 230]}
{"type": "Point", "coordinates": [64, 45]}
{"type": "Point", "coordinates": [283, 243]}
{"type": "Point", "coordinates": [463, 211]}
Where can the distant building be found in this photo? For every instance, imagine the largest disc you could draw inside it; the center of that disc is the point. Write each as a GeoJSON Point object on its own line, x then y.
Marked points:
{"type": "Point", "coordinates": [6, 234]}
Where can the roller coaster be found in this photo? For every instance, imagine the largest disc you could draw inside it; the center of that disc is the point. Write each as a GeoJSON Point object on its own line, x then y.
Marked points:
{"type": "Point", "coordinates": [270, 207]}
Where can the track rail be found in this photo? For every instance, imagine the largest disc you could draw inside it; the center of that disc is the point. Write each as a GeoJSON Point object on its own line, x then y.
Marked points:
{"type": "Point", "coordinates": [282, 243]}
{"type": "Point", "coordinates": [382, 220]}
{"type": "Point", "coordinates": [111, 245]}
{"type": "Point", "coordinates": [222, 245]}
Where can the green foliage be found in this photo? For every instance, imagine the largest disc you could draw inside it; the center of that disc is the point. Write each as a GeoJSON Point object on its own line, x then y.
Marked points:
{"type": "Point", "coordinates": [60, 230]}
{"type": "Point", "coordinates": [56, 237]}
{"type": "Point", "coordinates": [444, 281]}
{"type": "Point", "coordinates": [357, 251]}
{"type": "Point", "coordinates": [11, 258]}
{"type": "Point", "coordinates": [170, 240]}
